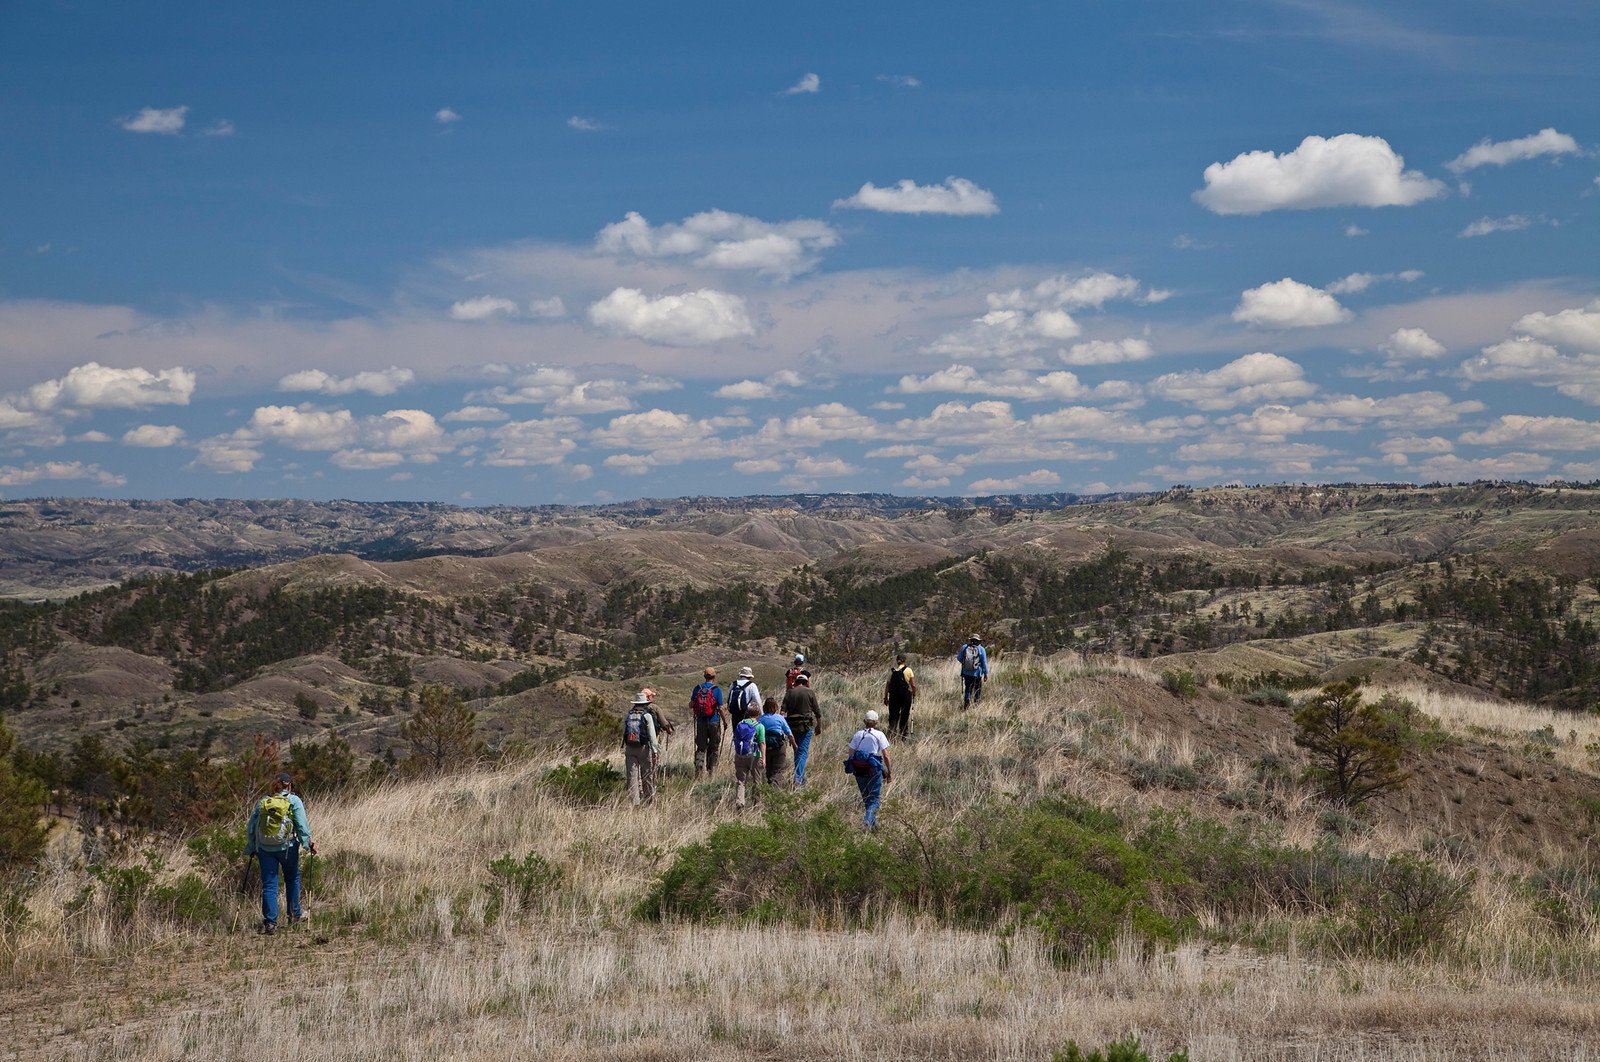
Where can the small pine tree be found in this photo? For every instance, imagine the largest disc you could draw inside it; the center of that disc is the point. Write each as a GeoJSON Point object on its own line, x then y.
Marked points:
{"type": "Point", "coordinates": [22, 835]}
{"type": "Point", "coordinates": [325, 768]}
{"type": "Point", "coordinates": [443, 732]}
{"type": "Point", "coordinates": [1357, 750]}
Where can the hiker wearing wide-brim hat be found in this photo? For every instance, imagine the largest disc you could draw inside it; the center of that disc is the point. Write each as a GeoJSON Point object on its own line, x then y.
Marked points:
{"type": "Point", "coordinates": [974, 670]}
{"type": "Point", "coordinates": [277, 830]}
{"type": "Point", "coordinates": [639, 749]}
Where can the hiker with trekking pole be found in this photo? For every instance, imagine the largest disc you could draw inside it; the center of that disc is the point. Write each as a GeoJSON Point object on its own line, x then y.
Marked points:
{"type": "Point", "coordinates": [710, 721]}
{"type": "Point", "coordinates": [639, 748]}
{"type": "Point", "coordinates": [277, 830]}
{"type": "Point", "coordinates": [664, 729]}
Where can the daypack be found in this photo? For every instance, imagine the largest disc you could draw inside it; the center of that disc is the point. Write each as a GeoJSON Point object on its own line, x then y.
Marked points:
{"type": "Point", "coordinates": [633, 730]}
{"type": "Point", "coordinates": [737, 693]}
{"type": "Point", "coordinates": [744, 738]}
{"type": "Point", "coordinates": [863, 763]}
{"type": "Point", "coordinates": [790, 675]}
{"type": "Point", "coordinates": [274, 822]}
{"type": "Point", "coordinates": [703, 701]}
{"type": "Point", "coordinates": [899, 688]}
{"type": "Point", "coordinates": [970, 656]}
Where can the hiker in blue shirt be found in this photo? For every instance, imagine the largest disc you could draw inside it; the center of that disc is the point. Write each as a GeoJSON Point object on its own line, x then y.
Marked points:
{"type": "Point", "coordinates": [277, 831]}
{"type": "Point", "coordinates": [974, 670]}
{"type": "Point", "coordinates": [780, 740]}
{"type": "Point", "coordinates": [710, 723]}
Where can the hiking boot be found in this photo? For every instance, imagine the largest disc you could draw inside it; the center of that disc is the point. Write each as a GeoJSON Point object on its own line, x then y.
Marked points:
{"type": "Point", "coordinates": [268, 928]}
{"type": "Point", "coordinates": [300, 919]}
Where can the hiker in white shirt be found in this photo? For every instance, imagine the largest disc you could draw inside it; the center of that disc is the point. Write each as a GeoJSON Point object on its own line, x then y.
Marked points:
{"type": "Point", "coordinates": [869, 763]}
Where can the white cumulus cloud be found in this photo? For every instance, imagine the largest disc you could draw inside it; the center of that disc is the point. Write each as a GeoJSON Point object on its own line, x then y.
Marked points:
{"type": "Point", "coordinates": [718, 239]}
{"type": "Point", "coordinates": [384, 382]}
{"type": "Point", "coordinates": [1489, 226]}
{"type": "Point", "coordinates": [482, 308]}
{"type": "Point", "coordinates": [1488, 152]}
{"type": "Point", "coordinates": [695, 318]}
{"type": "Point", "coordinates": [1408, 344]}
{"type": "Point", "coordinates": [165, 120]}
{"type": "Point", "coordinates": [1107, 352]}
{"type": "Point", "coordinates": [95, 386]}
{"type": "Point", "coordinates": [1344, 170]}
{"type": "Point", "coordinates": [227, 454]}
{"type": "Point", "coordinates": [1027, 482]}
{"type": "Point", "coordinates": [446, 116]}
{"type": "Point", "coordinates": [956, 196]}
{"type": "Point", "coordinates": [24, 475]}
{"type": "Point", "coordinates": [153, 436]}
{"type": "Point", "coordinates": [303, 428]}
{"type": "Point", "coordinates": [1288, 303]}
{"type": "Point", "coordinates": [1254, 378]}
{"type": "Point", "coordinates": [1552, 433]}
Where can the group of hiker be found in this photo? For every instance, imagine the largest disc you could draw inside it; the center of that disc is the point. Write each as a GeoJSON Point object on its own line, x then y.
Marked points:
{"type": "Point", "coordinates": [765, 733]}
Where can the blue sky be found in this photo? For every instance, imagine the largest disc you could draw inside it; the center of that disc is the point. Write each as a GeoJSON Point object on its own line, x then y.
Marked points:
{"type": "Point", "coordinates": [533, 253]}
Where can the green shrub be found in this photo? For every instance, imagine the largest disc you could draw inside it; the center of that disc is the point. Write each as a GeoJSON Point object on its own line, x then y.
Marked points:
{"type": "Point", "coordinates": [1358, 750]}
{"type": "Point", "coordinates": [585, 781]}
{"type": "Point", "coordinates": [1270, 695]}
{"type": "Point", "coordinates": [1129, 1050]}
{"type": "Point", "coordinates": [531, 877]}
{"type": "Point", "coordinates": [1181, 683]}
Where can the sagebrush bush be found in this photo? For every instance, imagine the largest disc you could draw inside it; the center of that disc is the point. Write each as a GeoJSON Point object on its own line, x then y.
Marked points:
{"type": "Point", "coordinates": [584, 781]}
{"type": "Point", "coordinates": [1182, 683]}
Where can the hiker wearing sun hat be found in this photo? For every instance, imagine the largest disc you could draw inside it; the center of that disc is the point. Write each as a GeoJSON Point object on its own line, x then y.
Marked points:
{"type": "Point", "coordinates": [744, 693]}
{"type": "Point", "coordinates": [639, 749]}
{"type": "Point", "coordinates": [869, 764]}
{"type": "Point", "coordinates": [974, 670]}
{"type": "Point", "coordinates": [277, 830]}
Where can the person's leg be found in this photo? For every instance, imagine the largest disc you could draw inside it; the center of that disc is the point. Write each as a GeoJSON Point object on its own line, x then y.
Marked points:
{"type": "Point", "coordinates": [291, 881]}
{"type": "Point", "coordinates": [713, 747]}
{"type": "Point", "coordinates": [871, 796]}
{"type": "Point", "coordinates": [802, 740]}
{"type": "Point", "coordinates": [269, 886]}
{"type": "Point", "coordinates": [704, 749]}
{"type": "Point", "coordinates": [777, 763]}
{"type": "Point", "coordinates": [647, 777]}
{"type": "Point", "coordinates": [630, 764]}
{"type": "Point", "coordinates": [977, 688]}
{"type": "Point", "coordinates": [740, 769]}
{"type": "Point", "coordinates": [971, 689]}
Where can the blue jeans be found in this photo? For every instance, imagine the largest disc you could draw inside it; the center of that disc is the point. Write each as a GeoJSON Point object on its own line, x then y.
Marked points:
{"type": "Point", "coordinates": [802, 741]}
{"type": "Point", "coordinates": [871, 786]}
{"type": "Point", "coordinates": [971, 689]}
{"type": "Point", "coordinates": [286, 860]}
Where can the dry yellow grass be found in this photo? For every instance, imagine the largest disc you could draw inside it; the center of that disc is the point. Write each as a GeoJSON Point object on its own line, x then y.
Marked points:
{"type": "Point", "coordinates": [403, 961]}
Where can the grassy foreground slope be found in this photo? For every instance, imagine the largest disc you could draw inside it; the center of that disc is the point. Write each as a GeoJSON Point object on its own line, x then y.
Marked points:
{"type": "Point", "coordinates": [1203, 900]}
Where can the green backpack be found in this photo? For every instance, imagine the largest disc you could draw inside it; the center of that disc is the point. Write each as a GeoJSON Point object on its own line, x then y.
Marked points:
{"type": "Point", "coordinates": [274, 822]}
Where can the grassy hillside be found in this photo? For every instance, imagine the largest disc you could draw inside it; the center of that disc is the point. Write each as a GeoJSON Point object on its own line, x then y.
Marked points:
{"type": "Point", "coordinates": [1086, 855]}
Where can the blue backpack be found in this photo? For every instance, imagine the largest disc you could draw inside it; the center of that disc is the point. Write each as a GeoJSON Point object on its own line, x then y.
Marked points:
{"type": "Point", "coordinates": [863, 763]}
{"type": "Point", "coordinates": [744, 738]}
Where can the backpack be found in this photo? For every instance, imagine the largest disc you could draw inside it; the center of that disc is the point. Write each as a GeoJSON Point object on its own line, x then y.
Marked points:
{"type": "Point", "coordinates": [790, 675]}
{"type": "Point", "coordinates": [633, 730]}
{"type": "Point", "coordinates": [737, 694]}
{"type": "Point", "coordinates": [744, 738]}
{"type": "Point", "coordinates": [703, 701]}
{"type": "Point", "coordinates": [970, 656]}
{"type": "Point", "coordinates": [274, 821]}
{"type": "Point", "coordinates": [899, 688]}
{"type": "Point", "coordinates": [863, 763]}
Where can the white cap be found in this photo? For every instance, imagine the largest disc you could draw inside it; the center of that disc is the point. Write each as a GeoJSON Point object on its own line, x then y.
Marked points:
{"type": "Point", "coordinates": [872, 716]}
{"type": "Point", "coordinates": [799, 658]}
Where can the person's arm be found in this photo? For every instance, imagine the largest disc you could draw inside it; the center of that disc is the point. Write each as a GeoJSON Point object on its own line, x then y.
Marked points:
{"type": "Point", "coordinates": [911, 680]}
{"type": "Point", "coordinates": [983, 663]}
{"type": "Point", "coordinates": [886, 687]}
{"type": "Point", "coordinates": [650, 732]}
{"type": "Point", "coordinates": [302, 825]}
{"type": "Point", "coordinates": [816, 712]}
{"type": "Point", "coordinates": [761, 742]}
{"type": "Point", "coordinates": [250, 830]}
{"type": "Point", "coordinates": [887, 770]}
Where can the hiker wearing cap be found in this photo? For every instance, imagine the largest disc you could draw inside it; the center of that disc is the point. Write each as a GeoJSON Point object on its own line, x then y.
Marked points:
{"type": "Point", "coordinates": [868, 762]}
{"type": "Point", "coordinates": [794, 672]}
{"type": "Point", "coordinates": [898, 693]}
{"type": "Point", "coordinates": [749, 746]}
{"type": "Point", "coordinates": [710, 720]}
{"type": "Point", "coordinates": [277, 830]}
{"type": "Point", "coordinates": [780, 740]}
{"type": "Point", "coordinates": [974, 670]}
{"type": "Point", "coordinates": [639, 749]}
{"type": "Point", "coordinates": [804, 716]}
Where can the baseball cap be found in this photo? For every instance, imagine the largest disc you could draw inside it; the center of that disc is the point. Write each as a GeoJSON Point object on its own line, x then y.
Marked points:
{"type": "Point", "coordinates": [799, 658]}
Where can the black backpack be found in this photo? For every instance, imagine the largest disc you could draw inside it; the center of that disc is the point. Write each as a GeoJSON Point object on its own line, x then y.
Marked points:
{"type": "Point", "coordinates": [633, 729]}
{"type": "Point", "coordinates": [899, 688]}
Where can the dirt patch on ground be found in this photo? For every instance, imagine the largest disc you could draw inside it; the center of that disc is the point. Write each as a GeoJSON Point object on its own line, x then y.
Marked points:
{"type": "Point", "coordinates": [464, 674]}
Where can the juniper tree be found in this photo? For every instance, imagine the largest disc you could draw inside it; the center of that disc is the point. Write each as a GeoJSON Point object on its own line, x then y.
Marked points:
{"type": "Point", "coordinates": [22, 836]}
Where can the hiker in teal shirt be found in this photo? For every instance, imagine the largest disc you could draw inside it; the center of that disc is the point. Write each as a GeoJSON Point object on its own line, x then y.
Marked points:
{"type": "Point", "coordinates": [277, 831]}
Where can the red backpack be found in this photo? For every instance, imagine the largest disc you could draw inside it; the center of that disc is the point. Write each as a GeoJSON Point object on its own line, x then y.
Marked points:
{"type": "Point", "coordinates": [703, 701]}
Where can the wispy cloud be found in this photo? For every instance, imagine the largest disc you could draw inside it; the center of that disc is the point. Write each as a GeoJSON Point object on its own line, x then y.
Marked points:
{"type": "Point", "coordinates": [168, 121]}
{"type": "Point", "coordinates": [584, 125]}
{"type": "Point", "coordinates": [956, 196]}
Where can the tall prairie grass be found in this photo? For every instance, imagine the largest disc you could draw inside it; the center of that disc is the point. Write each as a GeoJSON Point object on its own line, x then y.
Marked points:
{"type": "Point", "coordinates": [417, 950]}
